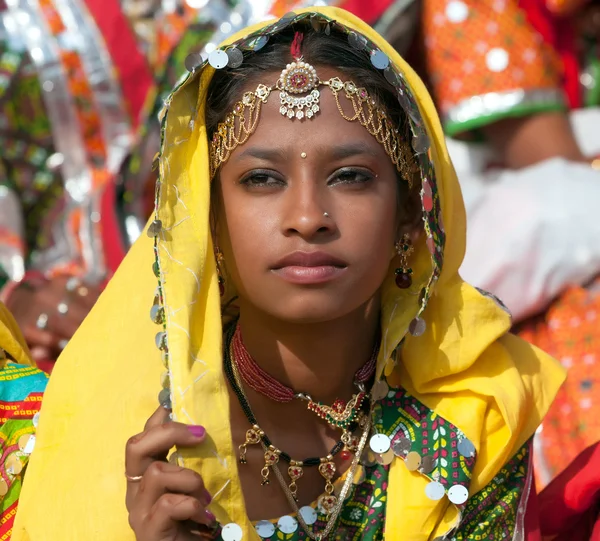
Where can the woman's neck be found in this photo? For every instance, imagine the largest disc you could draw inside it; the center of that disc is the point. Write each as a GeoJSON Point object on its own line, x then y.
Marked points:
{"type": "Point", "coordinates": [319, 359]}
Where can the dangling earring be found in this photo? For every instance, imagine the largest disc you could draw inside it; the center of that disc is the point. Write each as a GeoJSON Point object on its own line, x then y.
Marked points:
{"type": "Point", "coordinates": [403, 274]}
{"type": "Point", "coordinates": [219, 259]}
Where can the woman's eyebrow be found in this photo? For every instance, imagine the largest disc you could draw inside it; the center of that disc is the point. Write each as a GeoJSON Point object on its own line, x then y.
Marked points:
{"type": "Point", "coordinates": [337, 152]}
{"type": "Point", "coordinates": [348, 150]}
{"type": "Point", "coordinates": [261, 153]}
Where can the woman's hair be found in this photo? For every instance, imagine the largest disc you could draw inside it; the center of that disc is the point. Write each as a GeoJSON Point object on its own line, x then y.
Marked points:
{"type": "Point", "coordinates": [318, 49]}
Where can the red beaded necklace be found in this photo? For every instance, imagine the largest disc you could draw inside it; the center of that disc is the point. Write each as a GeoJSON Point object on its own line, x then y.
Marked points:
{"type": "Point", "coordinates": [262, 382]}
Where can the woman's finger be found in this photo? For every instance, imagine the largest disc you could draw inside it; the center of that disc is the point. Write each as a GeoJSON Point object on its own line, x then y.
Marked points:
{"type": "Point", "coordinates": [171, 510]}
{"type": "Point", "coordinates": [163, 478]}
{"type": "Point", "coordinates": [160, 416]}
{"type": "Point", "coordinates": [155, 443]}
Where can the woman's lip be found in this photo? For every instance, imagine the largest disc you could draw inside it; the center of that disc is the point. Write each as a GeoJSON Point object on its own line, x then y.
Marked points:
{"type": "Point", "coordinates": [309, 275]}
{"type": "Point", "coordinates": [309, 259]}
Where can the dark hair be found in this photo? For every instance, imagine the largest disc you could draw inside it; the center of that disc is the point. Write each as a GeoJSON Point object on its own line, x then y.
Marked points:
{"type": "Point", "coordinates": [318, 49]}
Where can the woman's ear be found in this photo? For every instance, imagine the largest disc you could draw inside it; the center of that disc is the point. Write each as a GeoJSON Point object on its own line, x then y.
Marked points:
{"type": "Point", "coordinates": [410, 216]}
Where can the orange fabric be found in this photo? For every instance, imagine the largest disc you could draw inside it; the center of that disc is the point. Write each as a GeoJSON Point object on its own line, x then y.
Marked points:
{"type": "Point", "coordinates": [570, 332]}
{"type": "Point", "coordinates": [474, 47]}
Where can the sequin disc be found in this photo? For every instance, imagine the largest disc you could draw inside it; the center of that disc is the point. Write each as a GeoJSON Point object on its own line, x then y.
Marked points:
{"type": "Point", "coordinates": [218, 59]}
{"type": "Point", "coordinates": [435, 491]}
{"type": "Point", "coordinates": [160, 339]}
{"type": "Point", "coordinates": [157, 313]}
{"type": "Point", "coordinates": [13, 464]}
{"type": "Point", "coordinates": [176, 459]}
{"type": "Point", "coordinates": [192, 61]}
{"type": "Point", "coordinates": [427, 464]}
{"type": "Point", "coordinates": [359, 476]}
{"type": "Point", "coordinates": [309, 515]}
{"type": "Point", "coordinates": [386, 458]}
{"type": "Point", "coordinates": [284, 22]}
{"type": "Point", "coordinates": [380, 390]}
{"type": "Point", "coordinates": [458, 494]}
{"type": "Point", "coordinates": [287, 524]}
{"type": "Point", "coordinates": [466, 448]}
{"type": "Point", "coordinates": [232, 532]}
{"type": "Point", "coordinates": [413, 461]}
{"type": "Point", "coordinates": [3, 487]}
{"type": "Point", "coordinates": [357, 41]}
{"type": "Point", "coordinates": [368, 458]}
{"type": "Point", "coordinates": [164, 398]}
{"type": "Point", "coordinates": [420, 141]}
{"type": "Point", "coordinates": [258, 43]}
{"type": "Point", "coordinates": [380, 443]}
{"type": "Point", "coordinates": [401, 447]}
{"type": "Point", "coordinates": [235, 56]}
{"type": "Point", "coordinates": [417, 326]}
{"type": "Point", "coordinates": [390, 76]}
{"type": "Point", "coordinates": [317, 23]}
{"type": "Point", "coordinates": [27, 443]}
{"type": "Point", "coordinates": [380, 60]}
{"type": "Point", "coordinates": [265, 529]}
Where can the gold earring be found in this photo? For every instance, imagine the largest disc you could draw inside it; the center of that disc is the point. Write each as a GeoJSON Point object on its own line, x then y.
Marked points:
{"type": "Point", "coordinates": [219, 258]}
{"type": "Point", "coordinates": [404, 248]}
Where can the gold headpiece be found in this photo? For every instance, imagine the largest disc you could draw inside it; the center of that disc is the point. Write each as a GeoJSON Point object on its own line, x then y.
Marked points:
{"type": "Point", "coordinates": [299, 99]}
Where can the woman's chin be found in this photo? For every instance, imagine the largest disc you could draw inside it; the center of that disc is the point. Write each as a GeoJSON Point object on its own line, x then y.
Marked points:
{"type": "Point", "coordinates": [306, 309]}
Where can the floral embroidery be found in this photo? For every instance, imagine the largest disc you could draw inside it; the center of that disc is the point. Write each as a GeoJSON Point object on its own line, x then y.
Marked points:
{"type": "Point", "coordinates": [491, 514]}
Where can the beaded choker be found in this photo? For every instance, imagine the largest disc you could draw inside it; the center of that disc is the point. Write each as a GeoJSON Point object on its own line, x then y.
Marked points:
{"type": "Point", "coordinates": [339, 415]}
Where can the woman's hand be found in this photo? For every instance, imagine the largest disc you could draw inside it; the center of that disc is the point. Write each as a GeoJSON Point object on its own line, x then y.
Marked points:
{"type": "Point", "coordinates": [165, 502]}
{"type": "Point", "coordinates": [50, 311]}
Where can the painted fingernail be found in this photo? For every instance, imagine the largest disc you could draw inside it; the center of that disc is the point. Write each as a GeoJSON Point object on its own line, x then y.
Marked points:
{"type": "Point", "coordinates": [197, 431]}
{"type": "Point", "coordinates": [210, 516]}
{"type": "Point", "coordinates": [206, 497]}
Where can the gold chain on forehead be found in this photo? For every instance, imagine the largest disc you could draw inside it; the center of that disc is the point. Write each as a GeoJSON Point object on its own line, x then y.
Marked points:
{"type": "Point", "coordinates": [299, 96]}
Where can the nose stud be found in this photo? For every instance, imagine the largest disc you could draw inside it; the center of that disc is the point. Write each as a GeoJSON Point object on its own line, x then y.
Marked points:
{"type": "Point", "coordinates": [303, 154]}
{"type": "Point", "coordinates": [326, 214]}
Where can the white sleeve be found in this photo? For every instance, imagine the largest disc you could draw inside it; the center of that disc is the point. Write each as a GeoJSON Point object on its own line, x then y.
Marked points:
{"type": "Point", "coordinates": [532, 232]}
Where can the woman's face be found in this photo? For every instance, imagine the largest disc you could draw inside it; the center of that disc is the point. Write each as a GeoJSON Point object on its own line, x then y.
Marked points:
{"type": "Point", "coordinates": [307, 214]}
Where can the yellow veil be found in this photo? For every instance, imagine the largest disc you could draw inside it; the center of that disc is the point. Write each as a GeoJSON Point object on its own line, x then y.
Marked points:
{"type": "Point", "coordinates": [11, 339]}
{"type": "Point", "coordinates": [464, 366]}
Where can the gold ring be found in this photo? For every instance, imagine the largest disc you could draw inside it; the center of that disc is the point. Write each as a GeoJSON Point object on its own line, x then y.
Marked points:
{"type": "Point", "coordinates": [133, 478]}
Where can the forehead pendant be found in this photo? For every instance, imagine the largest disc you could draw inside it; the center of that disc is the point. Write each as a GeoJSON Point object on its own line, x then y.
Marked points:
{"type": "Point", "coordinates": [298, 92]}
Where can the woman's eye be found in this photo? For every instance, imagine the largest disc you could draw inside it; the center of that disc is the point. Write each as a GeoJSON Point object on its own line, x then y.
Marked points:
{"type": "Point", "coordinates": [261, 179]}
{"type": "Point", "coordinates": [351, 176]}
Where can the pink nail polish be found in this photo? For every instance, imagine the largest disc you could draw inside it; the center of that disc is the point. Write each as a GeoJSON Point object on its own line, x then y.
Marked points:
{"type": "Point", "coordinates": [197, 431]}
{"type": "Point", "coordinates": [207, 497]}
{"type": "Point", "coordinates": [210, 516]}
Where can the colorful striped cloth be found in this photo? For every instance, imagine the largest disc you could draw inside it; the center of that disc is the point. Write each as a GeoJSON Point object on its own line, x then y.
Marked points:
{"type": "Point", "coordinates": [21, 391]}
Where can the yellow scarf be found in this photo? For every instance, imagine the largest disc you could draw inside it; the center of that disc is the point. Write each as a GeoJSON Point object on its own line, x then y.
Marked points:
{"type": "Point", "coordinates": [465, 366]}
{"type": "Point", "coordinates": [11, 339]}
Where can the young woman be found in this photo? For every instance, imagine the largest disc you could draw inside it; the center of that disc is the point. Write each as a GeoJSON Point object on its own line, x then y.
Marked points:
{"type": "Point", "coordinates": [328, 373]}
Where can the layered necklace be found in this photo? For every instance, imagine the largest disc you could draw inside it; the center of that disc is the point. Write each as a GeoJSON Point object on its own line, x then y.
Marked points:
{"type": "Point", "coordinates": [352, 418]}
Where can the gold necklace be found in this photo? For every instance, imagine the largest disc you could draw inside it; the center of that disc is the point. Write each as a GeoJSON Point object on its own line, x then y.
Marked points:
{"type": "Point", "coordinates": [333, 516]}
{"type": "Point", "coordinates": [351, 473]}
